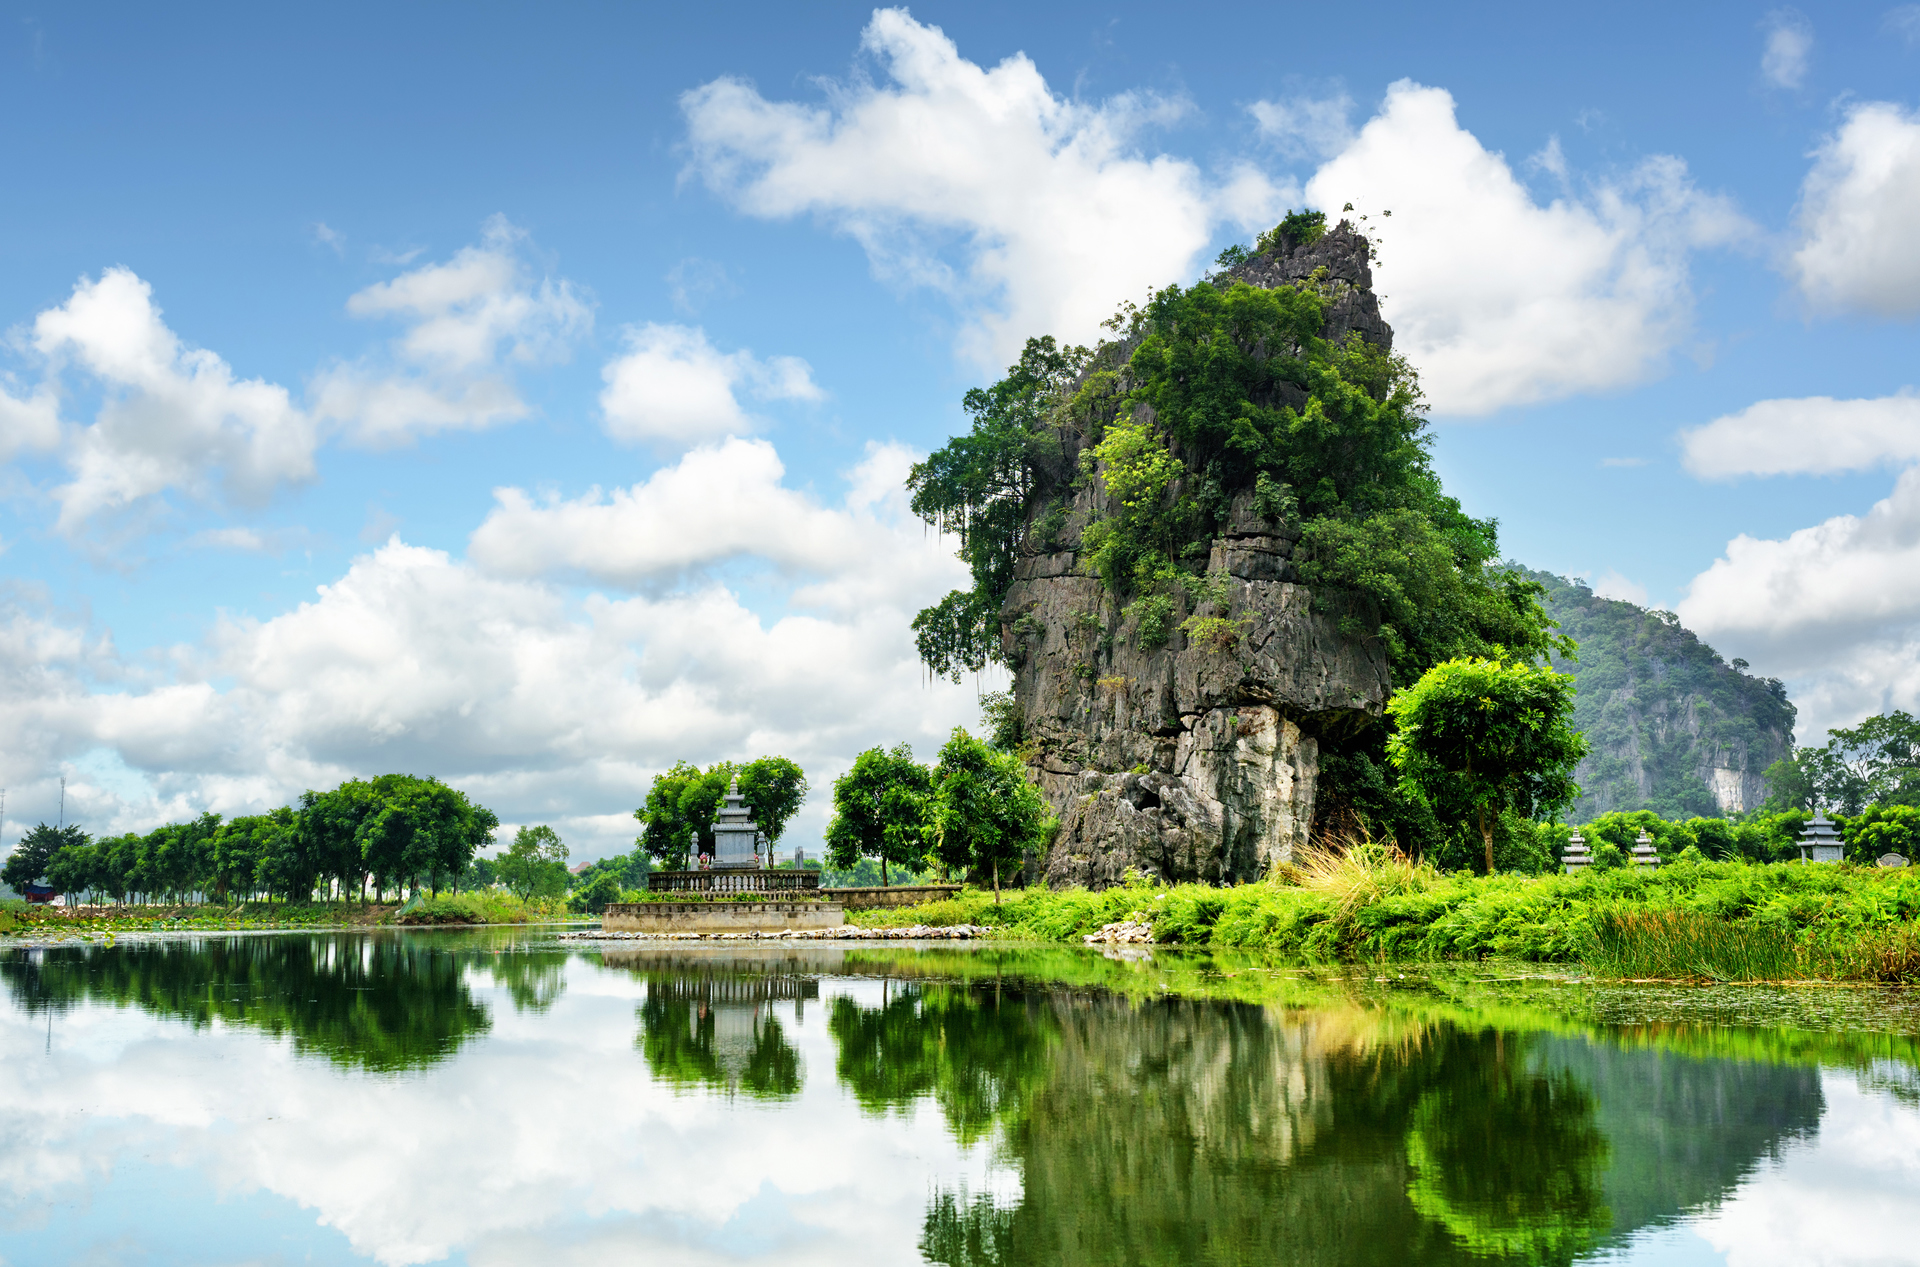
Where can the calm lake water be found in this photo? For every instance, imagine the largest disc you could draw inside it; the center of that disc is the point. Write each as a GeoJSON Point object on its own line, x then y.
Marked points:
{"type": "Point", "coordinates": [503, 1098]}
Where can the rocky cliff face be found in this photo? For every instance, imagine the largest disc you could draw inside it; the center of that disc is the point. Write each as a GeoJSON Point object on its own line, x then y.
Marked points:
{"type": "Point", "coordinates": [1188, 760]}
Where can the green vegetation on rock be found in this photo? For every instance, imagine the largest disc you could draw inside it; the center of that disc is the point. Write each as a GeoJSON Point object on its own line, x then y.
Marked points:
{"type": "Point", "coordinates": [1661, 710]}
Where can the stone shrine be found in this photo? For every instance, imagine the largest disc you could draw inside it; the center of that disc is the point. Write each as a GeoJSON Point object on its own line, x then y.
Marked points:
{"type": "Point", "coordinates": [736, 837]}
{"type": "Point", "coordinates": [1576, 856]}
{"type": "Point", "coordinates": [1822, 841]}
{"type": "Point", "coordinates": [1644, 854]}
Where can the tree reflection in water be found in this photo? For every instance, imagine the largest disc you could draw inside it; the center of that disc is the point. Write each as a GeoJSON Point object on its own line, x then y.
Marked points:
{"type": "Point", "coordinates": [533, 979]}
{"type": "Point", "coordinates": [1188, 1132]}
{"type": "Point", "coordinates": [384, 1004]}
{"type": "Point", "coordinates": [979, 1053]}
{"type": "Point", "coordinates": [710, 1023]}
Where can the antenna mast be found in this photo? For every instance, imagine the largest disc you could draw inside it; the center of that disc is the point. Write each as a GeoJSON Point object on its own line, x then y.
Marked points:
{"type": "Point", "coordinates": [63, 800]}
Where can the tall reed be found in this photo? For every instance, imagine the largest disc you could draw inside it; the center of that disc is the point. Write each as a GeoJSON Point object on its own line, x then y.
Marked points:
{"type": "Point", "coordinates": [1683, 945]}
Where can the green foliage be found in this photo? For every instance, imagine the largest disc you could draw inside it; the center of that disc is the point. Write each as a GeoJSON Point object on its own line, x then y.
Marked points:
{"type": "Point", "coordinates": [1883, 829]}
{"type": "Point", "coordinates": [593, 896]}
{"type": "Point", "coordinates": [1475, 738]}
{"type": "Point", "coordinates": [1244, 394]}
{"type": "Point", "coordinates": [1297, 228]}
{"type": "Point", "coordinates": [978, 486]}
{"type": "Point", "coordinates": [535, 865]}
{"type": "Point", "coordinates": [683, 804]}
{"type": "Point", "coordinates": [1846, 923]}
{"type": "Point", "coordinates": [1000, 717]}
{"type": "Point", "coordinates": [986, 816]}
{"type": "Point", "coordinates": [1608, 857]}
{"type": "Point", "coordinates": [481, 907]}
{"type": "Point", "coordinates": [1876, 762]}
{"type": "Point", "coordinates": [882, 809]}
{"type": "Point", "coordinates": [27, 864]}
{"type": "Point", "coordinates": [395, 829]}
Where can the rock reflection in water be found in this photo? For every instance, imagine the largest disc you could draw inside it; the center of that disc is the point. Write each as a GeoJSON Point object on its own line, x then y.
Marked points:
{"type": "Point", "coordinates": [709, 1021]}
{"type": "Point", "coordinates": [385, 1004]}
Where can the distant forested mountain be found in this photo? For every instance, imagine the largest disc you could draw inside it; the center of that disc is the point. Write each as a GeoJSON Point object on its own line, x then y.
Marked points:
{"type": "Point", "coordinates": [1674, 728]}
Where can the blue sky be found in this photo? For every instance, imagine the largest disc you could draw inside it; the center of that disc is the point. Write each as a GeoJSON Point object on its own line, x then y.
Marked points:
{"type": "Point", "coordinates": [519, 394]}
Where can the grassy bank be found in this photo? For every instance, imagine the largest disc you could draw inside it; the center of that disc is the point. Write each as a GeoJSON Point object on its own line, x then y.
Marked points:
{"type": "Point", "coordinates": [22, 919]}
{"type": "Point", "coordinates": [1692, 920]}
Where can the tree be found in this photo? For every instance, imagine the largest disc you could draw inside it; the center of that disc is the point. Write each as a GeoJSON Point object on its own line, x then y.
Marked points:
{"type": "Point", "coordinates": [1884, 829]}
{"type": "Point", "coordinates": [535, 865]}
{"type": "Point", "coordinates": [986, 815]}
{"type": "Point", "coordinates": [593, 896]}
{"type": "Point", "coordinates": [71, 868]}
{"type": "Point", "coordinates": [683, 803]}
{"type": "Point", "coordinates": [774, 789]}
{"type": "Point", "coordinates": [1475, 737]}
{"type": "Point", "coordinates": [881, 810]}
{"type": "Point", "coordinates": [677, 820]}
{"type": "Point", "coordinates": [27, 864]}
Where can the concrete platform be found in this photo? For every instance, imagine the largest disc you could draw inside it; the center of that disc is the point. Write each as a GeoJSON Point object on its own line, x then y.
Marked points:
{"type": "Point", "coordinates": [721, 917]}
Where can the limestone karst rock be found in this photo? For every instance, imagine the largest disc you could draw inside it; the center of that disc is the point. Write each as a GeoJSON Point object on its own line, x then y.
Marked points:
{"type": "Point", "coordinates": [1189, 760]}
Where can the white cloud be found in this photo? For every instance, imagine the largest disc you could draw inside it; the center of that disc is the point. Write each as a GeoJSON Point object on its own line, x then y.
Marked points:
{"type": "Point", "coordinates": [1857, 250]}
{"type": "Point", "coordinates": [469, 321]}
{"type": "Point", "coordinates": [1047, 209]}
{"type": "Point", "coordinates": [1904, 23]}
{"type": "Point", "coordinates": [544, 705]}
{"type": "Point", "coordinates": [29, 422]}
{"type": "Point", "coordinates": [1500, 300]}
{"type": "Point", "coordinates": [672, 386]}
{"type": "Point", "coordinates": [1812, 435]}
{"type": "Point", "coordinates": [715, 504]}
{"type": "Point", "coordinates": [1306, 127]}
{"type": "Point", "coordinates": [1834, 609]}
{"type": "Point", "coordinates": [174, 417]}
{"type": "Point", "coordinates": [1610, 584]}
{"type": "Point", "coordinates": [1783, 62]}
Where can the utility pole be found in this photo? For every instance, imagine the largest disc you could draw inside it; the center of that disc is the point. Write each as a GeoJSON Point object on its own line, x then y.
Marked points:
{"type": "Point", "coordinates": [63, 801]}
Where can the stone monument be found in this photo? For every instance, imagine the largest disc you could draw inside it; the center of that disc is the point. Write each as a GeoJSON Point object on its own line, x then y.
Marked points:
{"type": "Point", "coordinates": [1643, 852]}
{"type": "Point", "coordinates": [1891, 860]}
{"type": "Point", "coordinates": [1821, 843]}
{"type": "Point", "coordinates": [736, 837]}
{"type": "Point", "coordinates": [1576, 856]}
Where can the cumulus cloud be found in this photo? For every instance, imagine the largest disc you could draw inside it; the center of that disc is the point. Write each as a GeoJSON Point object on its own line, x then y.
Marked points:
{"type": "Point", "coordinates": [715, 504]}
{"type": "Point", "coordinates": [1500, 300]}
{"type": "Point", "coordinates": [1857, 250]}
{"type": "Point", "coordinates": [468, 321]}
{"type": "Point", "coordinates": [1789, 45]}
{"type": "Point", "coordinates": [545, 705]}
{"type": "Point", "coordinates": [1611, 584]}
{"type": "Point", "coordinates": [1306, 127]}
{"type": "Point", "coordinates": [1812, 435]}
{"type": "Point", "coordinates": [672, 386]}
{"type": "Point", "coordinates": [1036, 214]}
{"type": "Point", "coordinates": [173, 416]}
{"type": "Point", "coordinates": [1834, 608]}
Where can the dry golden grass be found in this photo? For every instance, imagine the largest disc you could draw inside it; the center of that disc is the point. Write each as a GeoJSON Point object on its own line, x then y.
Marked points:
{"type": "Point", "coordinates": [1356, 871]}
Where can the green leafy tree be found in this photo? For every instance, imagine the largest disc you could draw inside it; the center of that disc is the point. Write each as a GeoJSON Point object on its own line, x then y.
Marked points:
{"type": "Point", "coordinates": [535, 865]}
{"type": "Point", "coordinates": [27, 864]}
{"type": "Point", "coordinates": [1883, 829]}
{"type": "Point", "coordinates": [978, 486]}
{"type": "Point", "coordinates": [684, 802]}
{"type": "Point", "coordinates": [1477, 737]}
{"type": "Point", "coordinates": [774, 789]}
{"type": "Point", "coordinates": [881, 810]}
{"type": "Point", "coordinates": [593, 896]}
{"type": "Point", "coordinates": [71, 869]}
{"type": "Point", "coordinates": [986, 815]}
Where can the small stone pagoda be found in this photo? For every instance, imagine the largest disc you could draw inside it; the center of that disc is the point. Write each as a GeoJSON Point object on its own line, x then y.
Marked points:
{"type": "Point", "coordinates": [1822, 842]}
{"type": "Point", "coordinates": [1576, 857]}
{"type": "Point", "coordinates": [736, 837]}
